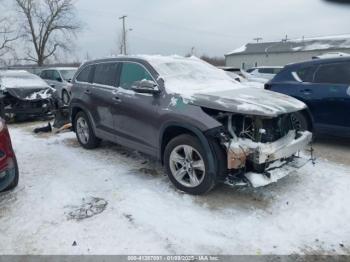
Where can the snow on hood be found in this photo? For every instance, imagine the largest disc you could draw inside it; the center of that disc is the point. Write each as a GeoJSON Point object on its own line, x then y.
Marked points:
{"type": "Point", "coordinates": [20, 79]}
{"type": "Point", "coordinates": [24, 85]}
{"type": "Point", "coordinates": [251, 101]}
{"type": "Point", "coordinates": [205, 85]}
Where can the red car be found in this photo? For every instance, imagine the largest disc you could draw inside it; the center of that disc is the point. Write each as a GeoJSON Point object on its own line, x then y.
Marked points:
{"type": "Point", "coordinates": [8, 162]}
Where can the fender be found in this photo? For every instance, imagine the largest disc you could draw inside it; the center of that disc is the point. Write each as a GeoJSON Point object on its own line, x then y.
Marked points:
{"type": "Point", "coordinates": [85, 110]}
{"type": "Point", "coordinates": [200, 135]}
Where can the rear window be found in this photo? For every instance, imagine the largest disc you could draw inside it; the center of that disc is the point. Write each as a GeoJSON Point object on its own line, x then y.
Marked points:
{"type": "Point", "coordinates": [337, 73]}
{"type": "Point", "coordinates": [84, 74]}
{"type": "Point", "coordinates": [106, 74]}
{"type": "Point", "coordinates": [265, 70]}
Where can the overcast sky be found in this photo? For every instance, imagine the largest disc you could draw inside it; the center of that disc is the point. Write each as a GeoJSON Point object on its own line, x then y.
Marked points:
{"type": "Point", "coordinates": [213, 27]}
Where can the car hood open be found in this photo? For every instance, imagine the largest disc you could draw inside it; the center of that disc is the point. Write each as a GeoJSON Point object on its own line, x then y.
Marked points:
{"type": "Point", "coordinates": [250, 101]}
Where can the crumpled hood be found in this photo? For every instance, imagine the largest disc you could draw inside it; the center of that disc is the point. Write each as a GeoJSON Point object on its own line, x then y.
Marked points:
{"type": "Point", "coordinates": [251, 101]}
{"type": "Point", "coordinates": [30, 93]}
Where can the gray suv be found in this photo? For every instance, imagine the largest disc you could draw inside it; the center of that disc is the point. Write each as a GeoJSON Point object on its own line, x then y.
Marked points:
{"type": "Point", "coordinates": [203, 126]}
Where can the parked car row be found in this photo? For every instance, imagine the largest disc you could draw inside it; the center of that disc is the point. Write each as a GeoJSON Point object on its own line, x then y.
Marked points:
{"type": "Point", "coordinates": [205, 126]}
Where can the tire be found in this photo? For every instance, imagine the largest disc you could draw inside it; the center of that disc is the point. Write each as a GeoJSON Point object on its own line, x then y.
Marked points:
{"type": "Point", "coordinates": [14, 183]}
{"type": "Point", "coordinates": [65, 97]}
{"type": "Point", "coordinates": [194, 180]}
{"type": "Point", "coordinates": [84, 131]}
{"type": "Point", "coordinates": [300, 122]}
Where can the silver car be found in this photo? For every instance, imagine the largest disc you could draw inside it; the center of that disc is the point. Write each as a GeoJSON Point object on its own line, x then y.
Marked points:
{"type": "Point", "coordinates": [59, 79]}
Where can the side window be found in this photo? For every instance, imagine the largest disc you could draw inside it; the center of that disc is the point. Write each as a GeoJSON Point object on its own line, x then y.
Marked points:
{"type": "Point", "coordinates": [131, 73]}
{"type": "Point", "coordinates": [55, 75]}
{"type": "Point", "coordinates": [266, 70]}
{"type": "Point", "coordinates": [338, 73]}
{"type": "Point", "coordinates": [306, 74]}
{"type": "Point", "coordinates": [43, 74]}
{"type": "Point", "coordinates": [84, 75]}
{"type": "Point", "coordinates": [106, 74]}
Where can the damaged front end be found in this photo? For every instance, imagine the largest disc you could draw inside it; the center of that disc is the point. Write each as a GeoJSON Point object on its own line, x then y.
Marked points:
{"type": "Point", "coordinates": [24, 103]}
{"type": "Point", "coordinates": [260, 150]}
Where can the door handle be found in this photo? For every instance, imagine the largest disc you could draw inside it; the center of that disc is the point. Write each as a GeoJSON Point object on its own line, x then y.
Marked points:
{"type": "Point", "coordinates": [87, 92]}
{"type": "Point", "coordinates": [52, 85]}
{"type": "Point", "coordinates": [117, 100]}
{"type": "Point", "coordinates": [306, 91]}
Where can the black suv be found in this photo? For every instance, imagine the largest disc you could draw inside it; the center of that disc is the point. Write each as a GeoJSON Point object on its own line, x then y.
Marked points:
{"type": "Point", "coordinates": [203, 126]}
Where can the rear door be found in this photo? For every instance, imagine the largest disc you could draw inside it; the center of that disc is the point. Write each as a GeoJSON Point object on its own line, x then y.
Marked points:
{"type": "Point", "coordinates": [136, 117]}
{"type": "Point", "coordinates": [105, 78]}
{"type": "Point", "coordinates": [329, 95]}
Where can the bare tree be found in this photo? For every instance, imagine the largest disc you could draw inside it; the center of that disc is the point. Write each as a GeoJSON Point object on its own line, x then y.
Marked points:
{"type": "Point", "coordinates": [8, 34]}
{"type": "Point", "coordinates": [48, 25]}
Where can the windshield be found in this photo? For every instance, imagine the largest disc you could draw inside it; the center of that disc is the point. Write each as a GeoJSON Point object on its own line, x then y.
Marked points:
{"type": "Point", "coordinates": [23, 80]}
{"type": "Point", "coordinates": [68, 74]}
{"type": "Point", "coordinates": [191, 75]}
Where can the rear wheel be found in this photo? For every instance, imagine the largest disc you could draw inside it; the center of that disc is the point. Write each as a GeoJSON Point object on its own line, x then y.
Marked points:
{"type": "Point", "coordinates": [187, 165]}
{"type": "Point", "coordinates": [84, 132]}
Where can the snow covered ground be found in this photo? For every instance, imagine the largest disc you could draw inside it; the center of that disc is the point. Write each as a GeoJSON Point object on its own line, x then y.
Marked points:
{"type": "Point", "coordinates": [116, 201]}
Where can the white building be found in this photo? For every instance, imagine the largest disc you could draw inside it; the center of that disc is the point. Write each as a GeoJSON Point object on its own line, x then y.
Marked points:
{"type": "Point", "coordinates": [285, 52]}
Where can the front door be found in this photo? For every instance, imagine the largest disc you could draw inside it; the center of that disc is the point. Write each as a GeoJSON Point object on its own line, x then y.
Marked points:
{"type": "Point", "coordinates": [136, 114]}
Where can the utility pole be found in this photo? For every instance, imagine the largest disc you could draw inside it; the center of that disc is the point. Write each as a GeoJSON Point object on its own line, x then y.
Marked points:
{"type": "Point", "coordinates": [257, 39]}
{"type": "Point", "coordinates": [124, 32]}
{"type": "Point", "coordinates": [285, 39]}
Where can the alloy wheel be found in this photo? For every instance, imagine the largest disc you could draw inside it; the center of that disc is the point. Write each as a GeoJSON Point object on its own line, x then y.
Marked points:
{"type": "Point", "coordinates": [83, 130]}
{"type": "Point", "coordinates": [187, 166]}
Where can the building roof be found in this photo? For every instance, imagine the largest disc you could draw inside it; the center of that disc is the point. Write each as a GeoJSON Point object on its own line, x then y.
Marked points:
{"type": "Point", "coordinates": [298, 45]}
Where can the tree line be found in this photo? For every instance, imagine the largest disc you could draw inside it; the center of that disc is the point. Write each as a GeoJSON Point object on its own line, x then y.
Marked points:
{"type": "Point", "coordinates": [42, 29]}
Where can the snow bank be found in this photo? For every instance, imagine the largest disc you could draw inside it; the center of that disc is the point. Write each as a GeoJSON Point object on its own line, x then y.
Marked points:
{"type": "Point", "coordinates": [304, 213]}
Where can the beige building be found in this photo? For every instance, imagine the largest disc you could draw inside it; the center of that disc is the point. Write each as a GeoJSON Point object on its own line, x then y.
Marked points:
{"type": "Point", "coordinates": [285, 52]}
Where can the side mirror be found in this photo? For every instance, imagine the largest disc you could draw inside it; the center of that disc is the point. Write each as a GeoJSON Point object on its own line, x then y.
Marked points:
{"type": "Point", "coordinates": [145, 87]}
{"type": "Point", "coordinates": [59, 79]}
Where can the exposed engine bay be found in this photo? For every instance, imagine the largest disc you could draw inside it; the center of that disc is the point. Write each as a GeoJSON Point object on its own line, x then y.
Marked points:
{"type": "Point", "coordinates": [260, 145]}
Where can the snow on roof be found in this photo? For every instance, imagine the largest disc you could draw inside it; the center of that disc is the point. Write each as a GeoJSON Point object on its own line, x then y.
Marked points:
{"type": "Point", "coordinates": [297, 45]}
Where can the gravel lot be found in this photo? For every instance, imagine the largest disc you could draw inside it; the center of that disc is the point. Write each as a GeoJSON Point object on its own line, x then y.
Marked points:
{"type": "Point", "coordinates": [116, 201]}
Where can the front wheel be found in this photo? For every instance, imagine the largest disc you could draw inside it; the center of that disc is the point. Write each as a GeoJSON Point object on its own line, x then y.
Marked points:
{"type": "Point", "coordinates": [187, 165]}
{"type": "Point", "coordinates": [84, 132]}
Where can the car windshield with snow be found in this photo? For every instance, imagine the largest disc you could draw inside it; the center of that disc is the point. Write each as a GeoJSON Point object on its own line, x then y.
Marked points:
{"type": "Point", "coordinates": [23, 95]}
{"type": "Point", "coordinates": [203, 126]}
